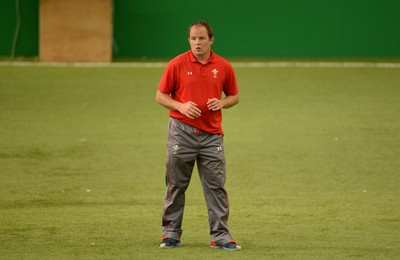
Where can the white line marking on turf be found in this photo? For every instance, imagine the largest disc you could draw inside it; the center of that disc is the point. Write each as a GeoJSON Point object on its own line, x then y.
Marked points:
{"type": "Point", "coordinates": [86, 64]}
{"type": "Point", "coordinates": [271, 64]}
{"type": "Point", "coordinates": [278, 64]}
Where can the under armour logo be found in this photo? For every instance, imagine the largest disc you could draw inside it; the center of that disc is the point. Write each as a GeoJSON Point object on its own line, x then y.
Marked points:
{"type": "Point", "coordinates": [219, 148]}
{"type": "Point", "coordinates": [215, 71]}
{"type": "Point", "coordinates": [190, 73]}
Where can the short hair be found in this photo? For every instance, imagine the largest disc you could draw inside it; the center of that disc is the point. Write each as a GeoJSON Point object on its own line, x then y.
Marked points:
{"type": "Point", "coordinates": [205, 24]}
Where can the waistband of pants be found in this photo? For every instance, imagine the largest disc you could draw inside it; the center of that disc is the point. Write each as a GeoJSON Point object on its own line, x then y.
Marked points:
{"type": "Point", "coordinates": [188, 128]}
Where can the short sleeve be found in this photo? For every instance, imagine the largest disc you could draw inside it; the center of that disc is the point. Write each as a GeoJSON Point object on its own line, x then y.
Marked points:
{"type": "Point", "coordinates": [230, 86]}
{"type": "Point", "coordinates": [168, 79]}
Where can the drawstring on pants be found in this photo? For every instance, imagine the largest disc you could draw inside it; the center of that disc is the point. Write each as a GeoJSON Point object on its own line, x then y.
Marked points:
{"type": "Point", "coordinates": [196, 131]}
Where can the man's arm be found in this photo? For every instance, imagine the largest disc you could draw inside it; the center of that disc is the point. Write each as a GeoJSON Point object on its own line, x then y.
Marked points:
{"type": "Point", "coordinates": [188, 109]}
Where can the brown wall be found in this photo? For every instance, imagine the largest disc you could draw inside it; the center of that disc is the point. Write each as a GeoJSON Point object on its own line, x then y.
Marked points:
{"type": "Point", "coordinates": [75, 30]}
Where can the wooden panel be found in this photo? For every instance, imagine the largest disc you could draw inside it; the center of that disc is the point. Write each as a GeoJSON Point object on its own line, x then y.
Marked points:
{"type": "Point", "coordinates": [75, 30]}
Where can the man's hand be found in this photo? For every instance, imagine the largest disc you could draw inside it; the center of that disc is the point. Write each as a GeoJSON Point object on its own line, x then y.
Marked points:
{"type": "Point", "coordinates": [190, 110]}
{"type": "Point", "coordinates": [214, 104]}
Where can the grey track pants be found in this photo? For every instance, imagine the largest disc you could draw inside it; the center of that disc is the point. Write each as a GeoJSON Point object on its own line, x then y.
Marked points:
{"type": "Point", "coordinates": [187, 145]}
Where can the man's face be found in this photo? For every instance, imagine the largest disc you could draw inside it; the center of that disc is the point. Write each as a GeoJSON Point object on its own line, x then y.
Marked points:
{"type": "Point", "coordinates": [200, 43]}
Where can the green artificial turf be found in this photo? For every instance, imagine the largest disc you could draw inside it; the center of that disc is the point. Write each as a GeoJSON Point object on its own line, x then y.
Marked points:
{"type": "Point", "coordinates": [312, 160]}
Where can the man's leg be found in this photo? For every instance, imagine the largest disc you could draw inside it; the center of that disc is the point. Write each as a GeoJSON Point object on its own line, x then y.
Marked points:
{"type": "Point", "coordinates": [211, 166]}
{"type": "Point", "coordinates": [179, 166]}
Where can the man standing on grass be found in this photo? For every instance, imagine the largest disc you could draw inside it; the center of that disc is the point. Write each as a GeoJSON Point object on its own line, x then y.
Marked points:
{"type": "Point", "coordinates": [191, 88]}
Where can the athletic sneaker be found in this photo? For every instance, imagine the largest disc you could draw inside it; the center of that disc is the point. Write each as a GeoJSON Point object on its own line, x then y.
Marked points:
{"type": "Point", "coordinates": [170, 243]}
{"type": "Point", "coordinates": [232, 246]}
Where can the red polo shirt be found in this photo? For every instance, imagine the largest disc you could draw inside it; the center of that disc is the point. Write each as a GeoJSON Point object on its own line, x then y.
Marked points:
{"type": "Point", "coordinates": [186, 79]}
